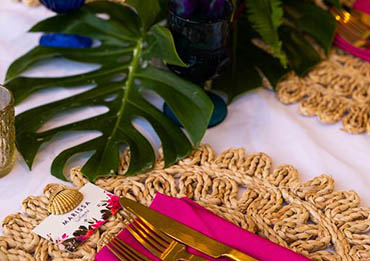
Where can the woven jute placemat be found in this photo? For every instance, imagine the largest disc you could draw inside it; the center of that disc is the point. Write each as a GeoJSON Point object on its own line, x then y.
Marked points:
{"type": "Point", "coordinates": [309, 218]}
{"type": "Point", "coordinates": [337, 89]}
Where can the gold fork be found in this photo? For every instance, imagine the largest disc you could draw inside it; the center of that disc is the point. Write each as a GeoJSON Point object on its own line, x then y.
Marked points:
{"type": "Point", "coordinates": [123, 251]}
{"type": "Point", "coordinates": [157, 242]}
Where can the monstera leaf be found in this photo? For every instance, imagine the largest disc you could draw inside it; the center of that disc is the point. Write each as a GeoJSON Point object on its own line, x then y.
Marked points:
{"type": "Point", "coordinates": [128, 39]}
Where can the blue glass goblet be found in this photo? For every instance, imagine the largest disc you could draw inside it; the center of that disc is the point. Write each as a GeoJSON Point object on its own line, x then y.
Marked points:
{"type": "Point", "coordinates": [62, 6]}
{"type": "Point", "coordinates": [60, 40]}
{"type": "Point", "coordinates": [201, 31]}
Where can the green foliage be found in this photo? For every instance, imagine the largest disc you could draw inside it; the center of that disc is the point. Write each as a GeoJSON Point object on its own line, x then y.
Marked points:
{"type": "Point", "coordinates": [266, 17]}
{"type": "Point", "coordinates": [128, 42]}
{"type": "Point", "coordinates": [242, 75]}
{"type": "Point", "coordinates": [301, 54]}
{"type": "Point", "coordinates": [147, 11]}
{"type": "Point", "coordinates": [312, 20]}
{"type": "Point", "coordinates": [335, 3]}
{"type": "Point", "coordinates": [301, 19]}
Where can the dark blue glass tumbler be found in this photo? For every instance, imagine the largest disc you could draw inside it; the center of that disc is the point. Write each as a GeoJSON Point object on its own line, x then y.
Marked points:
{"type": "Point", "coordinates": [201, 30]}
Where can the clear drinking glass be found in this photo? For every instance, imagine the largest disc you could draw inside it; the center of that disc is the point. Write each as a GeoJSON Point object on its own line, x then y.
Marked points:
{"type": "Point", "coordinates": [7, 131]}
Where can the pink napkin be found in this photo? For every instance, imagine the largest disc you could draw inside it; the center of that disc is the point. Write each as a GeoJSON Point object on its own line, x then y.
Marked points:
{"type": "Point", "coordinates": [364, 6]}
{"type": "Point", "coordinates": [359, 52]}
{"type": "Point", "coordinates": [193, 215]}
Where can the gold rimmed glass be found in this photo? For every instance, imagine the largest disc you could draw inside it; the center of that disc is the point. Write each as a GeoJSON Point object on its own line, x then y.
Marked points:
{"type": "Point", "coordinates": [7, 131]}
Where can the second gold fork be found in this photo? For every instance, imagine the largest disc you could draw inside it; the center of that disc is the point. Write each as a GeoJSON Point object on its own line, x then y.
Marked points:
{"type": "Point", "coordinates": [123, 251]}
{"type": "Point", "coordinates": [157, 242]}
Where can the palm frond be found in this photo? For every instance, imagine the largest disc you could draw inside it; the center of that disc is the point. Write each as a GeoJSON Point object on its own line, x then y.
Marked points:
{"type": "Point", "coordinates": [266, 17]}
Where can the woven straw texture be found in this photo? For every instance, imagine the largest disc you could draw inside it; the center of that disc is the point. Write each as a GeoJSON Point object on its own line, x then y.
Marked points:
{"type": "Point", "coordinates": [337, 89]}
{"type": "Point", "coordinates": [309, 218]}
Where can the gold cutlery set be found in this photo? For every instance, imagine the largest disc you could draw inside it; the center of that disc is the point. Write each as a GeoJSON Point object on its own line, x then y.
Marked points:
{"type": "Point", "coordinates": [166, 238]}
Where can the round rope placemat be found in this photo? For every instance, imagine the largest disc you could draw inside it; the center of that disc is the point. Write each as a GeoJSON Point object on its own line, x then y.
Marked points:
{"type": "Point", "coordinates": [309, 218]}
{"type": "Point", "coordinates": [337, 89]}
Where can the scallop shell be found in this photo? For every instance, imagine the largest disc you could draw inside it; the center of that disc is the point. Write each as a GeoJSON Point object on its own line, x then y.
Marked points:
{"type": "Point", "coordinates": [64, 200]}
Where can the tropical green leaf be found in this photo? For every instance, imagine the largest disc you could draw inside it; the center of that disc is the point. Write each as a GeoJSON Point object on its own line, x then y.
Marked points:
{"type": "Point", "coordinates": [244, 76]}
{"type": "Point", "coordinates": [301, 55]}
{"type": "Point", "coordinates": [164, 45]}
{"type": "Point", "coordinates": [127, 39]}
{"type": "Point", "coordinates": [336, 3]}
{"type": "Point", "coordinates": [116, 30]}
{"type": "Point", "coordinates": [103, 55]}
{"type": "Point", "coordinates": [266, 17]}
{"type": "Point", "coordinates": [312, 20]}
{"type": "Point", "coordinates": [163, 4]}
{"type": "Point", "coordinates": [251, 64]}
{"type": "Point", "coordinates": [147, 11]}
{"type": "Point", "coordinates": [125, 54]}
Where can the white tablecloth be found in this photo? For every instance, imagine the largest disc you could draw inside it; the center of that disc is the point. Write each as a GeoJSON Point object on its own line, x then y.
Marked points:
{"type": "Point", "coordinates": [256, 121]}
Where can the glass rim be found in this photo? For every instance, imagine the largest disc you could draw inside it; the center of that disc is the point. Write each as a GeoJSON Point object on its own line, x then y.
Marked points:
{"type": "Point", "coordinates": [10, 103]}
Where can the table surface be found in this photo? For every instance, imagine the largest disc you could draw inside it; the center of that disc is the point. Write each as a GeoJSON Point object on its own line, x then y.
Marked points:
{"type": "Point", "coordinates": [257, 121]}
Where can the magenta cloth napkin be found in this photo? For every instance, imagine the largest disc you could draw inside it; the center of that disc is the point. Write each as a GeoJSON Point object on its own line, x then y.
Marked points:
{"type": "Point", "coordinates": [359, 52]}
{"type": "Point", "coordinates": [193, 215]}
{"type": "Point", "coordinates": [364, 6]}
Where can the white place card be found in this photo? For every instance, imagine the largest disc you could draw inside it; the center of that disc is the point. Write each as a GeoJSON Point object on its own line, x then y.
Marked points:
{"type": "Point", "coordinates": [70, 230]}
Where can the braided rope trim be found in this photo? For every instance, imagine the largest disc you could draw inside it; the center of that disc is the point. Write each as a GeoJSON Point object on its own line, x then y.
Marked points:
{"type": "Point", "coordinates": [337, 89]}
{"type": "Point", "coordinates": [309, 218]}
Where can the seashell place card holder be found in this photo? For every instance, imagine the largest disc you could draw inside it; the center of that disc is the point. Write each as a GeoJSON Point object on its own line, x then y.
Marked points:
{"type": "Point", "coordinates": [75, 215]}
{"type": "Point", "coordinates": [64, 200]}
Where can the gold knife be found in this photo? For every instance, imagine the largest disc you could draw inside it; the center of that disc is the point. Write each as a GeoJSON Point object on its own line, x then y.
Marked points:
{"type": "Point", "coordinates": [183, 233]}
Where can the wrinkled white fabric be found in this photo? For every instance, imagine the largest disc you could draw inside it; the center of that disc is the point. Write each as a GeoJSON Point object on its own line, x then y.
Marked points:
{"type": "Point", "coordinates": [256, 121]}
